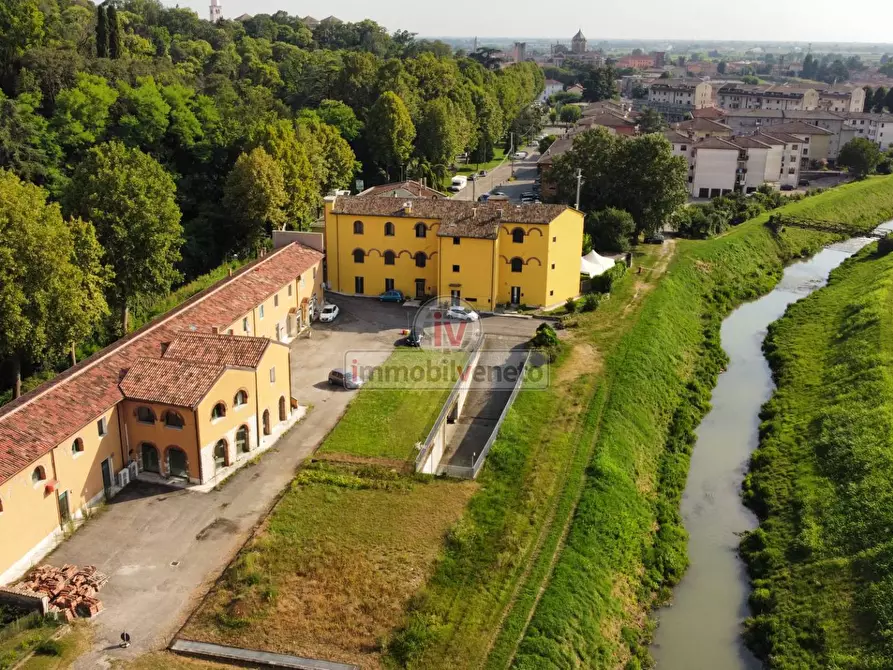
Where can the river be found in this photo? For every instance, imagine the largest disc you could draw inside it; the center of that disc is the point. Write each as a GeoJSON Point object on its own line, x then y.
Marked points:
{"type": "Point", "coordinates": [701, 629]}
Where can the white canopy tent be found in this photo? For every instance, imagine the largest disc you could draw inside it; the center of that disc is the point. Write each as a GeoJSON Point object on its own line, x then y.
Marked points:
{"type": "Point", "coordinates": [593, 265]}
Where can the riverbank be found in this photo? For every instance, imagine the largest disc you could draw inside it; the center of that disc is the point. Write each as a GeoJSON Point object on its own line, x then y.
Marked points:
{"type": "Point", "coordinates": [614, 544]}
{"type": "Point", "coordinates": [822, 478]}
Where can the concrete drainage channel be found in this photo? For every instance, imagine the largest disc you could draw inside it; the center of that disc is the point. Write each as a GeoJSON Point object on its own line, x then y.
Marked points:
{"type": "Point", "coordinates": [250, 657]}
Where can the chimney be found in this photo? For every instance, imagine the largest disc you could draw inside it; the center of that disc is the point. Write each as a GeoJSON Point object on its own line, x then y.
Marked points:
{"type": "Point", "coordinates": [230, 272]}
{"type": "Point", "coordinates": [215, 330]}
{"type": "Point", "coordinates": [164, 346]}
{"type": "Point", "coordinates": [474, 212]}
{"type": "Point", "coordinates": [499, 212]}
{"type": "Point", "coordinates": [407, 207]}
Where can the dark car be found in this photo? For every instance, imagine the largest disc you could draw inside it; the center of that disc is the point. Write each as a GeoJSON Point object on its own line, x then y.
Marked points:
{"type": "Point", "coordinates": [528, 194]}
{"type": "Point", "coordinates": [392, 296]}
{"type": "Point", "coordinates": [414, 338]}
{"type": "Point", "coordinates": [492, 193]}
{"type": "Point", "coordinates": [482, 173]}
{"type": "Point", "coordinates": [339, 377]}
{"type": "Point", "coordinates": [787, 187]}
{"type": "Point", "coordinates": [656, 238]}
{"type": "Point", "coordinates": [803, 182]}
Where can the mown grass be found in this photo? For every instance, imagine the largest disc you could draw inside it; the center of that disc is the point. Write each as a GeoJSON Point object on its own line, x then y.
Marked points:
{"type": "Point", "coordinates": [330, 573]}
{"type": "Point", "coordinates": [635, 410]}
{"type": "Point", "coordinates": [396, 410]}
{"type": "Point", "coordinates": [822, 479]}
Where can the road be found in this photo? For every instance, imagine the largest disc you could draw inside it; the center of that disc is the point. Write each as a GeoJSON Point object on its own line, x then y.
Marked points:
{"type": "Point", "coordinates": [498, 178]}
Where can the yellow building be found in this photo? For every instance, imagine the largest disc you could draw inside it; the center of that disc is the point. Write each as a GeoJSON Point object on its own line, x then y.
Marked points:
{"type": "Point", "coordinates": [484, 253]}
{"type": "Point", "coordinates": [188, 397]}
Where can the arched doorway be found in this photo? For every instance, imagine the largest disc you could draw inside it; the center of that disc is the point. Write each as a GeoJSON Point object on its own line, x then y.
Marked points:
{"type": "Point", "coordinates": [283, 414]}
{"type": "Point", "coordinates": [221, 459]}
{"type": "Point", "coordinates": [242, 443]}
{"type": "Point", "coordinates": [177, 464]}
{"type": "Point", "coordinates": [149, 457]}
{"type": "Point", "coordinates": [266, 422]}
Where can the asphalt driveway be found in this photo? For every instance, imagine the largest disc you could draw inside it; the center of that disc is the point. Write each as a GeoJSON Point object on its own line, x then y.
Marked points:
{"type": "Point", "coordinates": [163, 548]}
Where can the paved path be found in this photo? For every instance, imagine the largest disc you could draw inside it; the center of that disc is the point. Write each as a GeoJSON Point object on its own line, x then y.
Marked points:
{"type": "Point", "coordinates": [498, 178]}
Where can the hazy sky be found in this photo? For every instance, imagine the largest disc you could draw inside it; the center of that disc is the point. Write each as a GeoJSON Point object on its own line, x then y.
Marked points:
{"type": "Point", "coordinates": [782, 20]}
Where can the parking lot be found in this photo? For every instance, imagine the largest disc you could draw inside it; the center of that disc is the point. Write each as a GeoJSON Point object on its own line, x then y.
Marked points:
{"type": "Point", "coordinates": [164, 547]}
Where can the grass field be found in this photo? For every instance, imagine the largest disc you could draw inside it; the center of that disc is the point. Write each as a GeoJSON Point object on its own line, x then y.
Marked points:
{"type": "Point", "coordinates": [331, 572]}
{"type": "Point", "coordinates": [822, 479]}
{"type": "Point", "coordinates": [388, 420]}
{"type": "Point", "coordinates": [562, 554]}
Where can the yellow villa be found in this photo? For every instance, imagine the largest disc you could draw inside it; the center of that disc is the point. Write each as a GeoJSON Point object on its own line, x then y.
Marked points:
{"type": "Point", "coordinates": [485, 253]}
{"type": "Point", "coordinates": [189, 397]}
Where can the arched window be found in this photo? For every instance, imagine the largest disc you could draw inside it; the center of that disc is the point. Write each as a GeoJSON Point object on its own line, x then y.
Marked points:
{"type": "Point", "coordinates": [389, 257]}
{"type": "Point", "coordinates": [388, 229]}
{"type": "Point", "coordinates": [149, 456]}
{"type": "Point", "coordinates": [77, 446]}
{"type": "Point", "coordinates": [219, 411]}
{"type": "Point", "coordinates": [420, 259]}
{"type": "Point", "coordinates": [145, 415]}
{"type": "Point", "coordinates": [358, 255]}
{"type": "Point", "coordinates": [357, 227]}
{"type": "Point", "coordinates": [242, 443]}
{"type": "Point", "coordinates": [241, 398]}
{"type": "Point", "coordinates": [517, 264]}
{"type": "Point", "coordinates": [283, 413]}
{"type": "Point", "coordinates": [266, 417]}
{"type": "Point", "coordinates": [172, 419]}
{"type": "Point", "coordinates": [38, 475]}
{"type": "Point", "coordinates": [220, 457]}
{"type": "Point", "coordinates": [518, 236]}
{"type": "Point", "coordinates": [421, 230]}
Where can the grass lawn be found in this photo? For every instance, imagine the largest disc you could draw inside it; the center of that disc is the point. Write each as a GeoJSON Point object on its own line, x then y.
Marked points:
{"type": "Point", "coordinates": [467, 170]}
{"type": "Point", "coordinates": [387, 420]}
{"type": "Point", "coordinates": [70, 646]}
{"type": "Point", "coordinates": [18, 645]}
{"type": "Point", "coordinates": [331, 572]}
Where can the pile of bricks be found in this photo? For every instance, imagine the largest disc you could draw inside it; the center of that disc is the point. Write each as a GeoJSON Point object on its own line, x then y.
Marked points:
{"type": "Point", "coordinates": [71, 590]}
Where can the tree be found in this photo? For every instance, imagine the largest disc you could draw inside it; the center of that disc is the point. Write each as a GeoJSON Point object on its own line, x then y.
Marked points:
{"type": "Point", "coordinates": [750, 80]}
{"type": "Point", "coordinates": [879, 98]}
{"type": "Point", "coordinates": [102, 32]}
{"type": "Point", "coordinates": [611, 229]}
{"type": "Point", "coordinates": [82, 112]}
{"type": "Point", "coordinates": [570, 113]}
{"type": "Point", "coordinates": [337, 114]}
{"type": "Point", "coordinates": [144, 113]}
{"type": "Point", "coordinates": [50, 280]}
{"type": "Point", "coordinates": [861, 156]}
{"type": "Point", "coordinates": [254, 197]}
{"type": "Point", "coordinates": [131, 200]}
{"type": "Point", "coordinates": [869, 99]}
{"type": "Point", "coordinates": [27, 145]}
{"type": "Point", "coordinates": [600, 84]}
{"type": "Point", "coordinates": [664, 75]}
{"type": "Point", "coordinates": [21, 27]}
{"type": "Point", "coordinates": [390, 132]}
{"type": "Point", "coordinates": [888, 100]}
{"type": "Point", "coordinates": [651, 121]}
{"type": "Point", "coordinates": [115, 36]}
{"type": "Point", "coordinates": [546, 142]}
{"type": "Point", "coordinates": [441, 134]}
{"type": "Point", "coordinates": [721, 67]}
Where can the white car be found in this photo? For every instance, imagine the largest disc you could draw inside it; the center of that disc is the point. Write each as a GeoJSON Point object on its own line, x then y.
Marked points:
{"type": "Point", "coordinates": [329, 312]}
{"type": "Point", "coordinates": [462, 313]}
{"type": "Point", "coordinates": [520, 155]}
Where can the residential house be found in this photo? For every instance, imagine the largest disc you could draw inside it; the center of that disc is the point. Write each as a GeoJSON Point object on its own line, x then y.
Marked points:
{"type": "Point", "coordinates": [149, 400]}
{"type": "Point", "coordinates": [749, 121]}
{"type": "Point", "coordinates": [763, 96]}
{"type": "Point", "coordinates": [404, 189]}
{"type": "Point", "coordinates": [791, 148]}
{"type": "Point", "coordinates": [701, 128]}
{"type": "Point", "coordinates": [842, 99]}
{"type": "Point", "coordinates": [676, 99]}
{"type": "Point", "coordinates": [622, 125]}
{"type": "Point", "coordinates": [876, 127]}
{"type": "Point", "coordinates": [484, 253]}
{"type": "Point", "coordinates": [713, 167]}
{"type": "Point", "coordinates": [552, 87]}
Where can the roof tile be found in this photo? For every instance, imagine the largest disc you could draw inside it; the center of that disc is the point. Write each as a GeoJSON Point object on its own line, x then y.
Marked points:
{"type": "Point", "coordinates": [172, 382]}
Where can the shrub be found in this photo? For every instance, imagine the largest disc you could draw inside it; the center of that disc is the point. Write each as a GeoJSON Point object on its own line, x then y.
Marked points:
{"type": "Point", "coordinates": [570, 306]}
{"type": "Point", "coordinates": [885, 245]}
{"type": "Point", "coordinates": [49, 648]}
{"type": "Point", "coordinates": [546, 339]}
{"type": "Point", "coordinates": [590, 303]}
{"type": "Point", "coordinates": [604, 282]}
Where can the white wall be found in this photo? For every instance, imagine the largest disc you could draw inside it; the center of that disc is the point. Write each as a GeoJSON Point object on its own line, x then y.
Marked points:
{"type": "Point", "coordinates": [714, 169]}
{"type": "Point", "coordinates": [756, 168]}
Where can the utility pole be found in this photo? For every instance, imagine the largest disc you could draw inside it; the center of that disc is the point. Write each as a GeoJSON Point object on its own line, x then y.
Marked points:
{"type": "Point", "coordinates": [579, 184]}
{"type": "Point", "coordinates": [512, 150]}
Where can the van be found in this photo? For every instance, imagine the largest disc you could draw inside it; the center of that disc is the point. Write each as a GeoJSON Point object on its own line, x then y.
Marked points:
{"type": "Point", "coordinates": [458, 183]}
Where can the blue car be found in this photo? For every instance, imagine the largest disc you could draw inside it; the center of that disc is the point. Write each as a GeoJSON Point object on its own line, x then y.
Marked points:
{"type": "Point", "coordinates": [392, 296]}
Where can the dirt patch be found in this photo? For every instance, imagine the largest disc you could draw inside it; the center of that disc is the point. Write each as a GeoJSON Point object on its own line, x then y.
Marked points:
{"type": "Point", "coordinates": [644, 284]}
{"type": "Point", "coordinates": [584, 359]}
{"type": "Point", "coordinates": [704, 267]}
{"type": "Point", "coordinates": [351, 459]}
{"type": "Point", "coordinates": [217, 528]}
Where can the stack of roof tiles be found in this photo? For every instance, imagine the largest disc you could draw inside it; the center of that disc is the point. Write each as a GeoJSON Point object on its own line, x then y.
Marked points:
{"type": "Point", "coordinates": [71, 590]}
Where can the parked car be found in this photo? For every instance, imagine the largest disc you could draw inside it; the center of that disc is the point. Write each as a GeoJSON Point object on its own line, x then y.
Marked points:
{"type": "Point", "coordinates": [392, 296]}
{"type": "Point", "coordinates": [484, 197]}
{"type": "Point", "coordinates": [787, 187]}
{"type": "Point", "coordinates": [656, 238]}
{"type": "Point", "coordinates": [482, 173]}
{"type": "Point", "coordinates": [329, 313]}
{"type": "Point", "coordinates": [472, 177]}
{"type": "Point", "coordinates": [462, 314]}
{"type": "Point", "coordinates": [803, 182]}
{"type": "Point", "coordinates": [519, 155]}
{"type": "Point", "coordinates": [414, 338]}
{"type": "Point", "coordinates": [498, 193]}
{"type": "Point", "coordinates": [528, 194]}
{"type": "Point", "coordinates": [339, 377]}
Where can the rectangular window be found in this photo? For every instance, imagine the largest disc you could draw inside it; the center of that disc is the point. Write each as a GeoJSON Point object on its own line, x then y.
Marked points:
{"type": "Point", "coordinates": [102, 427]}
{"type": "Point", "coordinates": [455, 268]}
{"type": "Point", "coordinates": [289, 290]}
{"type": "Point", "coordinates": [245, 324]}
{"type": "Point", "coordinates": [358, 285]}
{"type": "Point", "coordinates": [553, 266]}
{"type": "Point", "coordinates": [272, 375]}
{"type": "Point", "coordinates": [455, 240]}
{"type": "Point", "coordinates": [554, 239]}
{"type": "Point", "coordinates": [388, 284]}
{"type": "Point", "coordinates": [276, 300]}
{"type": "Point", "coordinates": [314, 273]}
{"type": "Point", "coordinates": [260, 312]}
{"type": "Point", "coordinates": [301, 281]}
{"type": "Point", "coordinates": [229, 332]}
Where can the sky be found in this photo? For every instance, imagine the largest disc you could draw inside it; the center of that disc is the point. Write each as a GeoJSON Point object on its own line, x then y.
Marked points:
{"type": "Point", "coordinates": [766, 20]}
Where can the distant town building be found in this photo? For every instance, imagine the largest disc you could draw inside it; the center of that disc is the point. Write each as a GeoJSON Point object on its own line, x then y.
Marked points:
{"type": "Point", "coordinates": [552, 87]}
{"type": "Point", "coordinates": [578, 43]}
{"type": "Point", "coordinates": [519, 52]}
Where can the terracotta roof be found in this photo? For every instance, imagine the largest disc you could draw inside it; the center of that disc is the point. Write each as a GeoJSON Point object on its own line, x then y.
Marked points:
{"type": "Point", "coordinates": [405, 189]}
{"type": "Point", "coordinates": [815, 114]}
{"type": "Point", "coordinates": [180, 383]}
{"type": "Point", "coordinates": [748, 142]}
{"type": "Point", "coordinates": [678, 138]}
{"type": "Point", "coordinates": [232, 350]}
{"type": "Point", "coordinates": [608, 119]}
{"type": "Point", "coordinates": [702, 124]}
{"type": "Point", "coordinates": [35, 423]}
{"type": "Point", "coordinates": [715, 143]}
{"type": "Point", "coordinates": [708, 113]}
{"type": "Point", "coordinates": [557, 148]}
{"type": "Point", "coordinates": [457, 218]}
